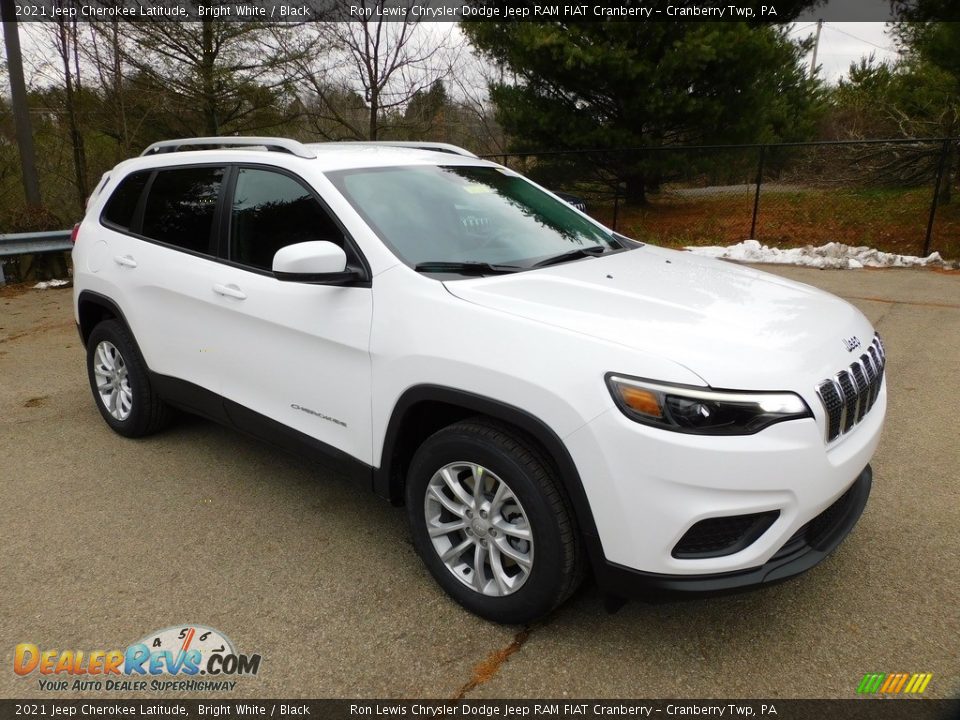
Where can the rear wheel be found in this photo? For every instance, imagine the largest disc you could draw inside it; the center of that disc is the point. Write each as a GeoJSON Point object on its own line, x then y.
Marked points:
{"type": "Point", "coordinates": [490, 522]}
{"type": "Point", "coordinates": [120, 382]}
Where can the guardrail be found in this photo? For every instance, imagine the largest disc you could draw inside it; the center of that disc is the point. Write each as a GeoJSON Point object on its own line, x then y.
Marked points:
{"type": "Point", "coordinates": [32, 244]}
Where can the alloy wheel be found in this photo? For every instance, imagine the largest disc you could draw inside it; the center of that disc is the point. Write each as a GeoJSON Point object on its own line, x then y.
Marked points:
{"type": "Point", "coordinates": [113, 381]}
{"type": "Point", "coordinates": [479, 529]}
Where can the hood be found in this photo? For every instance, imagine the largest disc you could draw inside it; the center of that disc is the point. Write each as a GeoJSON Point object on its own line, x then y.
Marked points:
{"type": "Point", "coordinates": [733, 326]}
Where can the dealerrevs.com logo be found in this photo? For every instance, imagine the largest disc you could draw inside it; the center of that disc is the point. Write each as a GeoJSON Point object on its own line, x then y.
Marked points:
{"type": "Point", "coordinates": [188, 658]}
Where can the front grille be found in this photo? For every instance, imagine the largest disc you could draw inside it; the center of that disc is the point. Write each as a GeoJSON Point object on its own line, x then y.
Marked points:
{"type": "Point", "coordinates": [719, 536]}
{"type": "Point", "coordinates": [850, 394]}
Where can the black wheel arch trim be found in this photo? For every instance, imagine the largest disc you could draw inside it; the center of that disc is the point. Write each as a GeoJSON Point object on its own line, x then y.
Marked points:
{"type": "Point", "coordinates": [388, 485]}
{"type": "Point", "coordinates": [95, 298]}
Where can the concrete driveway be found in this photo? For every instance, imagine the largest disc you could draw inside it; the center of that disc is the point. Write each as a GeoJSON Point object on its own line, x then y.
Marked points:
{"type": "Point", "coordinates": [106, 539]}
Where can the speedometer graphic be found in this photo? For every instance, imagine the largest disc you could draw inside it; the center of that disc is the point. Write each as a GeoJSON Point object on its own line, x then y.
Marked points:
{"type": "Point", "coordinates": [183, 639]}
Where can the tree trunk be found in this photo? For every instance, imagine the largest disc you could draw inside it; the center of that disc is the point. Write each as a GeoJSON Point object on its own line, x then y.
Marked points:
{"type": "Point", "coordinates": [374, 115]}
{"type": "Point", "coordinates": [209, 89]}
{"type": "Point", "coordinates": [946, 182]}
{"type": "Point", "coordinates": [21, 113]}
{"type": "Point", "coordinates": [636, 192]}
{"type": "Point", "coordinates": [71, 85]}
{"type": "Point", "coordinates": [123, 137]}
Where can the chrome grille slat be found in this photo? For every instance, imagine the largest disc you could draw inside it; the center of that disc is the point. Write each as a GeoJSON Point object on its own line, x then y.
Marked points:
{"type": "Point", "coordinates": [850, 394]}
{"type": "Point", "coordinates": [878, 381]}
{"type": "Point", "coordinates": [849, 400]}
{"type": "Point", "coordinates": [862, 390]}
{"type": "Point", "coordinates": [867, 363]}
{"type": "Point", "coordinates": [832, 401]}
{"type": "Point", "coordinates": [869, 367]}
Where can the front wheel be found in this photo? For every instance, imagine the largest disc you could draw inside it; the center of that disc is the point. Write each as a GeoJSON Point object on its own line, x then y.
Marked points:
{"type": "Point", "coordinates": [490, 522]}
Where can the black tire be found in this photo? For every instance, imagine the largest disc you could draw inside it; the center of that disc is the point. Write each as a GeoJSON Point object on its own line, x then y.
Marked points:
{"type": "Point", "coordinates": [148, 413]}
{"type": "Point", "coordinates": [558, 559]}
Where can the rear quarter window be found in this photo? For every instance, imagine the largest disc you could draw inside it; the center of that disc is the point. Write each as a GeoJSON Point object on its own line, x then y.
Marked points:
{"type": "Point", "coordinates": [122, 205]}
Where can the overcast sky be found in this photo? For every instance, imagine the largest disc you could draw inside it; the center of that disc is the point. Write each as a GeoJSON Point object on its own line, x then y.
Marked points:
{"type": "Point", "coordinates": [845, 43]}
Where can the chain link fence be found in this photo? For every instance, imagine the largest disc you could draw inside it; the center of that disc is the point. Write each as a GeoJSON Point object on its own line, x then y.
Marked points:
{"type": "Point", "coordinates": [894, 195]}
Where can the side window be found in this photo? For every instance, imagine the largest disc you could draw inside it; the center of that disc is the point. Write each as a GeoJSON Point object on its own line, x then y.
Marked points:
{"type": "Point", "coordinates": [270, 211]}
{"type": "Point", "coordinates": [123, 203]}
{"type": "Point", "coordinates": [181, 205]}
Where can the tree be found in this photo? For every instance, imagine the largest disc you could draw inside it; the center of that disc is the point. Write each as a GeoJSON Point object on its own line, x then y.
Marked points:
{"type": "Point", "coordinates": [425, 111]}
{"type": "Point", "coordinates": [477, 128]}
{"type": "Point", "coordinates": [916, 96]}
{"type": "Point", "coordinates": [21, 113]}
{"type": "Point", "coordinates": [229, 76]}
{"type": "Point", "coordinates": [105, 51]}
{"type": "Point", "coordinates": [66, 34]}
{"type": "Point", "coordinates": [858, 102]}
{"type": "Point", "coordinates": [388, 62]}
{"type": "Point", "coordinates": [336, 112]}
{"type": "Point", "coordinates": [618, 85]}
{"type": "Point", "coordinates": [933, 62]}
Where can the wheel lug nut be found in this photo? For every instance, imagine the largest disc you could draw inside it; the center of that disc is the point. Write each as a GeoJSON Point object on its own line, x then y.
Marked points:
{"type": "Point", "coordinates": [493, 533]}
{"type": "Point", "coordinates": [470, 513]}
{"type": "Point", "coordinates": [483, 513]}
{"type": "Point", "coordinates": [483, 542]}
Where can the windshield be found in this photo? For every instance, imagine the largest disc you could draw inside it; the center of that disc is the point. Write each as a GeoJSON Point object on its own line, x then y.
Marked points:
{"type": "Point", "coordinates": [465, 214]}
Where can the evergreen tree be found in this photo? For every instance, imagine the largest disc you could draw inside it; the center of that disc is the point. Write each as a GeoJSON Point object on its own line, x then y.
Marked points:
{"type": "Point", "coordinates": [619, 85]}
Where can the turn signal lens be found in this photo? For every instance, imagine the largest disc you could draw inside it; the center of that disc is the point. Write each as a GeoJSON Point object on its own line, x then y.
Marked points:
{"type": "Point", "coordinates": [75, 233]}
{"type": "Point", "coordinates": [641, 401]}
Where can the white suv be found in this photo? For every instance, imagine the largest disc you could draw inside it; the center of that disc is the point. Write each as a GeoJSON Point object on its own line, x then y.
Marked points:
{"type": "Point", "coordinates": [544, 395]}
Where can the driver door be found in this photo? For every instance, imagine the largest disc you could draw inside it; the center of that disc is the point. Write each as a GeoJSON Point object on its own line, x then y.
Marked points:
{"type": "Point", "coordinates": [295, 353]}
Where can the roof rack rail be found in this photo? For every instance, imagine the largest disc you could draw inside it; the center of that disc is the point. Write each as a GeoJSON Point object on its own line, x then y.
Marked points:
{"type": "Point", "coordinates": [270, 143]}
{"type": "Point", "coordinates": [418, 144]}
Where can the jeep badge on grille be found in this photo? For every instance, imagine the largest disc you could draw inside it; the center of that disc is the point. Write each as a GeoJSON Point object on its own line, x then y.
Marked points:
{"type": "Point", "coordinates": [851, 343]}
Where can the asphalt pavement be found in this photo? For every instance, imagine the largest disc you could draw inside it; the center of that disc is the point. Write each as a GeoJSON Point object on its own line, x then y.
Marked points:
{"type": "Point", "coordinates": [106, 539]}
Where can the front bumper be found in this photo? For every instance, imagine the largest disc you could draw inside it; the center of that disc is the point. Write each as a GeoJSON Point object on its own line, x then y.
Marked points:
{"type": "Point", "coordinates": [647, 488]}
{"type": "Point", "coordinates": [808, 546]}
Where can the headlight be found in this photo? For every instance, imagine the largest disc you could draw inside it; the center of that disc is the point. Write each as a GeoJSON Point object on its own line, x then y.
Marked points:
{"type": "Point", "coordinates": [701, 411]}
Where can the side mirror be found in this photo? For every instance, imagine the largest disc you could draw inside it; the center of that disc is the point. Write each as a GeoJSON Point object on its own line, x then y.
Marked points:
{"type": "Point", "coordinates": [320, 262]}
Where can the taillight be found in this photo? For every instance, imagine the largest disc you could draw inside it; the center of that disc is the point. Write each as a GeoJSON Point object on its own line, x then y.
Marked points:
{"type": "Point", "coordinates": [75, 233]}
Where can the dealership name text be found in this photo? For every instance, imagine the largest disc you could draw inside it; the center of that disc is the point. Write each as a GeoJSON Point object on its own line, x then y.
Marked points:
{"type": "Point", "coordinates": [647, 13]}
{"type": "Point", "coordinates": [563, 710]}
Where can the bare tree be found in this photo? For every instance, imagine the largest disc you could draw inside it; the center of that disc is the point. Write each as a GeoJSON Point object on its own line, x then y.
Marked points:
{"type": "Point", "coordinates": [384, 62]}
{"type": "Point", "coordinates": [105, 52]}
{"type": "Point", "coordinates": [66, 33]}
{"type": "Point", "coordinates": [470, 81]}
{"type": "Point", "coordinates": [227, 76]}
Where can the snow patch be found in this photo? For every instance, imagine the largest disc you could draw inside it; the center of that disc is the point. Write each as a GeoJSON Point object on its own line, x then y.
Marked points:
{"type": "Point", "coordinates": [832, 255]}
{"type": "Point", "coordinates": [50, 284]}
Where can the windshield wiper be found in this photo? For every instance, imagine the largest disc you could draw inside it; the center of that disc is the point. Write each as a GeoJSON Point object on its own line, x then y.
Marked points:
{"type": "Point", "coordinates": [465, 268]}
{"type": "Point", "coordinates": [572, 255]}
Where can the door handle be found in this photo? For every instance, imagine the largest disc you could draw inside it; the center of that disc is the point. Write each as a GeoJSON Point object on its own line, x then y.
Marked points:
{"type": "Point", "coordinates": [125, 260]}
{"type": "Point", "coordinates": [230, 291]}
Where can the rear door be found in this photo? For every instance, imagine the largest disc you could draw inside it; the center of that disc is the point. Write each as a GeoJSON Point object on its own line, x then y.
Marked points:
{"type": "Point", "coordinates": [164, 261]}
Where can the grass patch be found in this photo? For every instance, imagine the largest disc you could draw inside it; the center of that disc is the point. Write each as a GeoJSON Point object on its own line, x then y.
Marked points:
{"type": "Point", "coordinates": [891, 220]}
